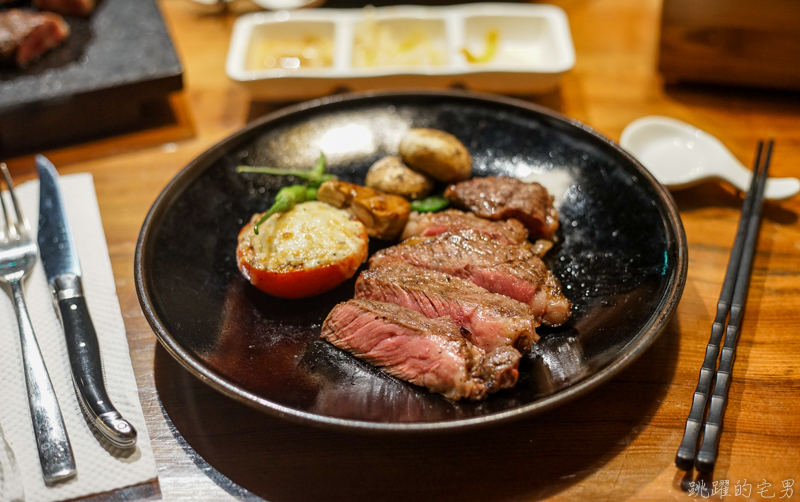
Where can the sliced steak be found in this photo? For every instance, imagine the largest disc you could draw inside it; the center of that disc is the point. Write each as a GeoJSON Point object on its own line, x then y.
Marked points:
{"type": "Point", "coordinates": [24, 36]}
{"type": "Point", "coordinates": [67, 7]}
{"type": "Point", "coordinates": [501, 198]}
{"type": "Point", "coordinates": [510, 231]}
{"type": "Point", "coordinates": [428, 352]}
{"type": "Point", "coordinates": [492, 320]}
{"type": "Point", "coordinates": [513, 271]}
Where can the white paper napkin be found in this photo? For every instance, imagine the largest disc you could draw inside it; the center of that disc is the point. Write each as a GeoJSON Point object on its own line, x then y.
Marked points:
{"type": "Point", "coordinates": [98, 470]}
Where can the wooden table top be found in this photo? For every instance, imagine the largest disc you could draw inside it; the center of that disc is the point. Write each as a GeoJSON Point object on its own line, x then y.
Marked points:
{"type": "Point", "coordinates": [616, 443]}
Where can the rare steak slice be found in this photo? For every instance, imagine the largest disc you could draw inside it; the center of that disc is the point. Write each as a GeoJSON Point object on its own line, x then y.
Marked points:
{"type": "Point", "coordinates": [500, 198]}
{"type": "Point", "coordinates": [492, 320]}
{"type": "Point", "coordinates": [510, 231]}
{"type": "Point", "coordinates": [513, 271]}
{"type": "Point", "coordinates": [428, 352]}
{"type": "Point", "coordinates": [24, 36]}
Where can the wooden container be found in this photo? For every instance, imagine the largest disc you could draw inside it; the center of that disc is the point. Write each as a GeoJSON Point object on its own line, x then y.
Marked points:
{"type": "Point", "coordinates": [739, 42]}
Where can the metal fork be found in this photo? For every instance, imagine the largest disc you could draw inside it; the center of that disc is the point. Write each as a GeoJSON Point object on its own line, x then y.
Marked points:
{"type": "Point", "coordinates": [17, 257]}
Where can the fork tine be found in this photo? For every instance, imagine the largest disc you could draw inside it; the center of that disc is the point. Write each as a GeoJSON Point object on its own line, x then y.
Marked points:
{"type": "Point", "coordinates": [20, 217]}
{"type": "Point", "coordinates": [4, 228]}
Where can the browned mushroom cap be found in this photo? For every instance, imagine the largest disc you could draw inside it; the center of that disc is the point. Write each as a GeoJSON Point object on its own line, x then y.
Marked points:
{"type": "Point", "coordinates": [391, 175]}
{"type": "Point", "coordinates": [384, 215]}
{"type": "Point", "coordinates": [437, 154]}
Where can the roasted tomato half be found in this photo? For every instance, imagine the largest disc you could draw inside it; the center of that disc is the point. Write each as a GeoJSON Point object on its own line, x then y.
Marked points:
{"type": "Point", "coordinates": [303, 252]}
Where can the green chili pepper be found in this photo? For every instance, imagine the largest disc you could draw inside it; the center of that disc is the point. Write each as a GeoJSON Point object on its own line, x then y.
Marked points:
{"type": "Point", "coordinates": [285, 199]}
{"type": "Point", "coordinates": [311, 193]}
{"type": "Point", "coordinates": [297, 173]}
{"type": "Point", "coordinates": [430, 204]}
{"type": "Point", "coordinates": [288, 197]}
{"type": "Point", "coordinates": [316, 183]}
{"type": "Point", "coordinates": [315, 177]}
{"type": "Point", "coordinates": [318, 172]}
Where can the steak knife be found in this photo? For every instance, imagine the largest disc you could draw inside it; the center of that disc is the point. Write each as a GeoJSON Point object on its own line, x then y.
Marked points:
{"type": "Point", "coordinates": [63, 270]}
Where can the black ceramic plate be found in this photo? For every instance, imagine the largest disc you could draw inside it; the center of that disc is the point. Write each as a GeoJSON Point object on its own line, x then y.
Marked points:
{"type": "Point", "coordinates": [621, 259]}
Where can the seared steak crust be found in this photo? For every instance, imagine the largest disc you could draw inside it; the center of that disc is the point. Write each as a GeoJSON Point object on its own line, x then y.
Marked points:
{"type": "Point", "coordinates": [492, 320]}
{"type": "Point", "coordinates": [500, 198]}
{"type": "Point", "coordinates": [510, 231]}
{"type": "Point", "coordinates": [513, 271]}
{"type": "Point", "coordinates": [426, 352]}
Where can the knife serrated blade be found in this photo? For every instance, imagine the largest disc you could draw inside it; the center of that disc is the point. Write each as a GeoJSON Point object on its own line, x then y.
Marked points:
{"type": "Point", "coordinates": [63, 271]}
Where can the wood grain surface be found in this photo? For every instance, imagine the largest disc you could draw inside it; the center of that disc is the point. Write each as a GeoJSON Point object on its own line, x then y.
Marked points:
{"type": "Point", "coordinates": [616, 443]}
{"type": "Point", "coordinates": [725, 41]}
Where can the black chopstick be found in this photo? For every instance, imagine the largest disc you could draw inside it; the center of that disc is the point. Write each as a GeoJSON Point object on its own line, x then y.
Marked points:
{"type": "Point", "coordinates": [734, 287]}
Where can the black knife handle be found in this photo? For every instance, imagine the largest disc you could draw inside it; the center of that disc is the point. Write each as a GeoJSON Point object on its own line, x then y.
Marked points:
{"type": "Point", "coordinates": [87, 373]}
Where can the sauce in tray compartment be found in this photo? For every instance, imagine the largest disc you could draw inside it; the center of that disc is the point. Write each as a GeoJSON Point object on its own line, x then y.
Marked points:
{"type": "Point", "coordinates": [291, 53]}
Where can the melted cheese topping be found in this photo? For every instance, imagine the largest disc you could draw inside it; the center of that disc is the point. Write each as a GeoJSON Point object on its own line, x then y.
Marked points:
{"type": "Point", "coordinates": [309, 235]}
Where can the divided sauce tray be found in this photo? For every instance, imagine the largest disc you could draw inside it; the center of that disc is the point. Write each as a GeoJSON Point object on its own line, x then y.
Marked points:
{"type": "Point", "coordinates": [532, 49]}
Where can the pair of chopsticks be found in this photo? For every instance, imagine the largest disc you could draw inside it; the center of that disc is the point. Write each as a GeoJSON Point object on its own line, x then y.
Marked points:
{"type": "Point", "coordinates": [731, 301]}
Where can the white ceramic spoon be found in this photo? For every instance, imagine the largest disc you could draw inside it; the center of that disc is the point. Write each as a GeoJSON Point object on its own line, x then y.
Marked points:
{"type": "Point", "coordinates": [680, 155]}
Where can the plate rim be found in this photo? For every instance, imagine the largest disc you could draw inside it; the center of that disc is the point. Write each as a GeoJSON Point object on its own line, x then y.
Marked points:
{"type": "Point", "coordinates": [654, 328]}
